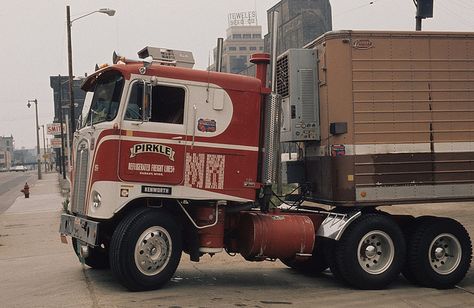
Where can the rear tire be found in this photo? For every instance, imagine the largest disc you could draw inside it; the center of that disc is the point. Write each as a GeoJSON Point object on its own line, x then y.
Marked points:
{"type": "Point", "coordinates": [145, 249]}
{"type": "Point", "coordinates": [439, 253]}
{"type": "Point", "coordinates": [370, 253]}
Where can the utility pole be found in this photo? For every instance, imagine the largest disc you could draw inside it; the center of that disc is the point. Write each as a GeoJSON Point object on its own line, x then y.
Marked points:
{"type": "Point", "coordinates": [60, 103]}
{"type": "Point", "coordinates": [38, 155]}
{"type": "Point", "coordinates": [72, 125]}
{"type": "Point", "coordinates": [109, 12]}
{"type": "Point", "coordinates": [44, 149]}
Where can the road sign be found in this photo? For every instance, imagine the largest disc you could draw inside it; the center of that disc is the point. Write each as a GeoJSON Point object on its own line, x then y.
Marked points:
{"type": "Point", "coordinates": [56, 143]}
{"type": "Point", "coordinates": [54, 129]}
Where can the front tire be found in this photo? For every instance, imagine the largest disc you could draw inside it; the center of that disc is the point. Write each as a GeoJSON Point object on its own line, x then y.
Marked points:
{"type": "Point", "coordinates": [439, 253]}
{"type": "Point", "coordinates": [370, 253]}
{"type": "Point", "coordinates": [146, 249]}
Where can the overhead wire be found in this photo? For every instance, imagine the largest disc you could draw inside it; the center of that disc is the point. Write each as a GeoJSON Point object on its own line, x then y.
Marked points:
{"type": "Point", "coordinates": [358, 7]}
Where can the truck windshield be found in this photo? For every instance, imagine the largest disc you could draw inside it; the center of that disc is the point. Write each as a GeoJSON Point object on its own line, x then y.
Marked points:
{"type": "Point", "coordinates": [105, 102]}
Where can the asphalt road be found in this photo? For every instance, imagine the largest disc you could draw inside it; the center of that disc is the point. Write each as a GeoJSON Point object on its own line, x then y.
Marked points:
{"type": "Point", "coordinates": [10, 185]}
{"type": "Point", "coordinates": [36, 270]}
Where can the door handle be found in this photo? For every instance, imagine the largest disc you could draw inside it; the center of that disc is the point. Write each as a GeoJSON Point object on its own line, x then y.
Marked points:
{"type": "Point", "coordinates": [177, 138]}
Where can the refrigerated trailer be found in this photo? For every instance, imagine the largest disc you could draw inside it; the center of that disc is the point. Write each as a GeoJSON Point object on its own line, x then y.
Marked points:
{"type": "Point", "coordinates": [170, 159]}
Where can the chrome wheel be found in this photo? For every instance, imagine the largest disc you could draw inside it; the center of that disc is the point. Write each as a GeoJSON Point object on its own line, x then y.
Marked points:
{"type": "Point", "coordinates": [153, 250]}
{"type": "Point", "coordinates": [445, 254]}
{"type": "Point", "coordinates": [376, 252]}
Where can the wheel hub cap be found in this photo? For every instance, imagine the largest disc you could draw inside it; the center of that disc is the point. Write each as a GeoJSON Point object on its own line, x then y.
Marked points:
{"type": "Point", "coordinates": [153, 250]}
{"type": "Point", "coordinates": [370, 252]}
{"type": "Point", "coordinates": [439, 252]}
{"type": "Point", "coordinates": [445, 254]}
{"type": "Point", "coordinates": [376, 252]}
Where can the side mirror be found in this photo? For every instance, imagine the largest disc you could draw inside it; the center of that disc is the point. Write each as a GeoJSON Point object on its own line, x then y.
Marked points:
{"type": "Point", "coordinates": [147, 100]}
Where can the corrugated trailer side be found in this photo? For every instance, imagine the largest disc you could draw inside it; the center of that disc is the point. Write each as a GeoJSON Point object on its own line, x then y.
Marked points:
{"type": "Point", "coordinates": [408, 101]}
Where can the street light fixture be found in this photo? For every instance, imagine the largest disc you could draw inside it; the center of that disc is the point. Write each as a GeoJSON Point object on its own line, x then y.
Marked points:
{"type": "Point", "coordinates": [37, 135]}
{"type": "Point", "coordinates": [109, 12]}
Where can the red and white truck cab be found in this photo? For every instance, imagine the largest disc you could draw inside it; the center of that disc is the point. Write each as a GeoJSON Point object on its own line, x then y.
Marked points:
{"type": "Point", "coordinates": [171, 132]}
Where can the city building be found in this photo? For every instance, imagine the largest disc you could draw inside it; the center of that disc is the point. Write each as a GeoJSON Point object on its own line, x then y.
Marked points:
{"type": "Point", "coordinates": [25, 157]}
{"type": "Point", "coordinates": [7, 146]}
{"type": "Point", "coordinates": [60, 86]}
{"type": "Point", "coordinates": [300, 22]}
{"type": "Point", "coordinates": [243, 38]}
{"type": "Point", "coordinates": [61, 98]}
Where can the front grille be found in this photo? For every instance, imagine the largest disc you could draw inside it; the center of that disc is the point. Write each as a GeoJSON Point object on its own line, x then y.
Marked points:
{"type": "Point", "coordinates": [80, 178]}
{"type": "Point", "coordinates": [283, 81]}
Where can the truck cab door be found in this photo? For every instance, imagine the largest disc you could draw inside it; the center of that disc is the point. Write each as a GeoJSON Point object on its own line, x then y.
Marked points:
{"type": "Point", "coordinates": [153, 133]}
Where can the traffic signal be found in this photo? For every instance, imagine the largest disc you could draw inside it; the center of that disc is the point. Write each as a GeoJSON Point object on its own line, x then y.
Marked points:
{"type": "Point", "coordinates": [424, 9]}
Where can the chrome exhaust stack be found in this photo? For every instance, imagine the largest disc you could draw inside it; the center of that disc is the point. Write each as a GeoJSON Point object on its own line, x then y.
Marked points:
{"type": "Point", "coordinates": [272, 156]}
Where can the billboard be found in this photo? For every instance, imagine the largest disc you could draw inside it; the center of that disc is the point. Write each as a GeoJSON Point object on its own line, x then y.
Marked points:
{"type": "Point", "coordinates": [248, 18]}
{"type": "Point", "coordinates": [54, 129]}
{"type": "Point", "coordinates": [56, 143]}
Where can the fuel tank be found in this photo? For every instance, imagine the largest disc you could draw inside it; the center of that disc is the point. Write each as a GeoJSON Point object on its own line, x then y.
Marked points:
{"type": "Point", "coordinates": [263, 236]}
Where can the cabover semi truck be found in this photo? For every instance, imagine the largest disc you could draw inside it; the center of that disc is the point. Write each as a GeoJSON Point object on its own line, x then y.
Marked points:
{"type": "Point", "coordinates": [170, 159]}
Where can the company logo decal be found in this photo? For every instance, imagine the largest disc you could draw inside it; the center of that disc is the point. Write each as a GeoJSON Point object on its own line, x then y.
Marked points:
{"type": "Point", "coordinates": [156, 190]}
{"type": "Point", "coordinates": [152, 148]}
{"type": "Point", "coordinates": [363, 44]}
{"type": "Point", "coordinates": [207, 125]}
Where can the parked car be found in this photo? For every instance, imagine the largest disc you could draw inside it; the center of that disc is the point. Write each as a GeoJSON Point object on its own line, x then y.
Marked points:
{"type": "Point", "coordinates": [19, 168]}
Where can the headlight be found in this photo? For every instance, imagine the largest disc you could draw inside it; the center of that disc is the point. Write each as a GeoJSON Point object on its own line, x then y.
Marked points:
{"type": "Point", "coordinates": [96, 199]}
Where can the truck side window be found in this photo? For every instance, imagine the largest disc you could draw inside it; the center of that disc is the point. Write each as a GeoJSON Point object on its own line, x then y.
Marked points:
{"type": "Point", "coordinates": [168, 104]}
{"type": "Point", "coordinates": [134, 107]}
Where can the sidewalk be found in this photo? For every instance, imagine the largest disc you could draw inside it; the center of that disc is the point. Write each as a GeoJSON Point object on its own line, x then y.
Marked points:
{"type": "Point", "coordinates": [36, 269]}
{"type": "Point", "coordinates": [45, 196]}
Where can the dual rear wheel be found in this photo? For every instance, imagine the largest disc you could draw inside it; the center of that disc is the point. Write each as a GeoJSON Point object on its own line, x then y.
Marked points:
{"type": "Point", "coordinates": [435, 252]}
{"type": "Point", "coordinates": [439, 253]}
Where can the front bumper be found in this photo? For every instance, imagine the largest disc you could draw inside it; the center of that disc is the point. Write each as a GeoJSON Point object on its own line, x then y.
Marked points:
{"type": "Point", "coordinates": [82, 229]}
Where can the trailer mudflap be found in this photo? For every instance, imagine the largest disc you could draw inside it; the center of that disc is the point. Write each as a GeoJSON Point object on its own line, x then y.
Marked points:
{"type": "Point", "coordinates": [83, 229]}
{"type": "Point", "coordinates": [335, 223]}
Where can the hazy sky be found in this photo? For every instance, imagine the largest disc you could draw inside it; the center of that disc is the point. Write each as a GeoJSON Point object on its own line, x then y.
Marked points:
{"type": "Point", "coordinates": [33, 35]}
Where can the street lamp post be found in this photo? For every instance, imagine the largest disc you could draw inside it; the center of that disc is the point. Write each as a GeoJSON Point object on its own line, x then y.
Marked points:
{"type": "Point", "coordinates": [44, 150]}
{"type": "Point", "coordinates": [60, 103]}
{"type": "Point", "coordinates": [109, 12]}
{"type": "Point", "coordinates": [37, 136]}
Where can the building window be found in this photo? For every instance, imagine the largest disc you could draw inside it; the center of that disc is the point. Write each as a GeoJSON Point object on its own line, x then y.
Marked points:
{"type": "Point", "coordinates": [236, 36]}
{"type": "Point", "coordinates": [242, 48]}
{"type": "Point", "coordinates": [252, 48]}
{"type": "Point", "coordinates": [260, 48]}
{"type": "Point", "coordinates": [232, 48]}
{"type": "Point", "coordinates": [247, 36]}
{"type": "Point", "coordinates": [257, 36]}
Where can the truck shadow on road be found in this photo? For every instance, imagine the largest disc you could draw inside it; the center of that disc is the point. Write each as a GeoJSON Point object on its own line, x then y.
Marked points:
{"type": "Point", "coordinates": [266, 278]}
